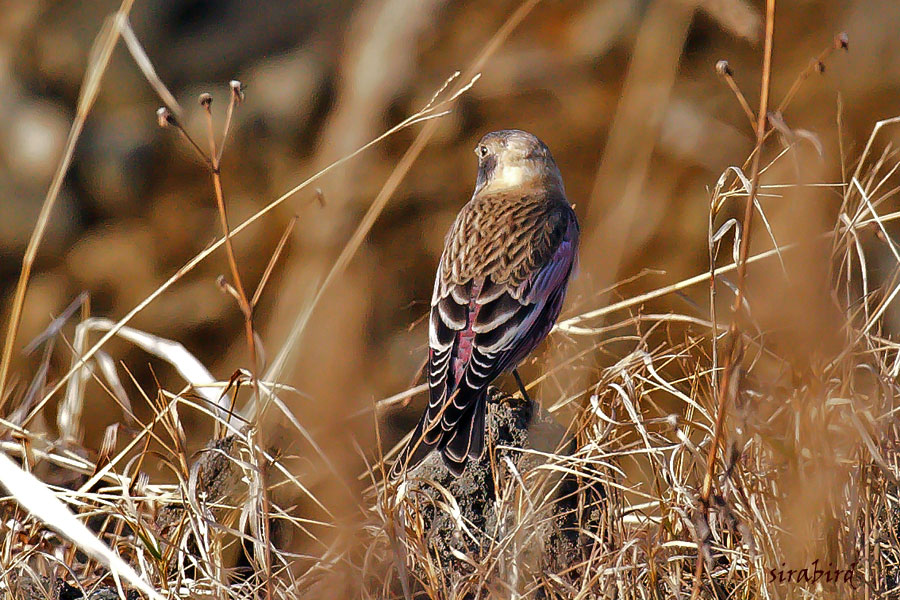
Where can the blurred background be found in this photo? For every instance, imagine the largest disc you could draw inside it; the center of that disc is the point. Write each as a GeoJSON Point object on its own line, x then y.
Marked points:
{"type": "Point", "coordinates": [624, 92]}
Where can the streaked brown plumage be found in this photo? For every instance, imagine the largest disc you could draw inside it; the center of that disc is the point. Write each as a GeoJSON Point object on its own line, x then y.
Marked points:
{"type": "Point", "coordinates": [498, 290]}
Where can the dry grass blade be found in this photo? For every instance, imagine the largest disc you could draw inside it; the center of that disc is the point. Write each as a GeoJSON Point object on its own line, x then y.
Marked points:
{"type": "Point", "coordinates": [638, 300]}
{"type": "Point", "coordinates": [276, 370]}
{"type": "Point", "coordinates": [204, 254]}
{"type": "Point", "coordinates": [187, 365]}
{"type": "Point", "coordinates": [730, 381]}
{"type": "Point", "coordinates": [273, 260]}
{"type": "Point", "coordinates": [104, 45]}
{"type": "Point", "coordinates": [471, 75]}
{"type": "Point", "coordinates": [41, 503]}
{"type": "Point", "coordinates": [146, 67]}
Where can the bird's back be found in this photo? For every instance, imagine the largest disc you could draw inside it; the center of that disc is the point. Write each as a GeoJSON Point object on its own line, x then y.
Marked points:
{"type": "Point", "coordinates": [506, 235]}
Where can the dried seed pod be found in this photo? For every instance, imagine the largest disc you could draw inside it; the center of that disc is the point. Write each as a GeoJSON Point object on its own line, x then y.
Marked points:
{"type": "Point", "coordinates": [237, 90]}
{"type": "Point", "coordinates": [724, 69]}
{"type": "Point", "coordinates": [164, 117]}
{"type": "Point", "coordinates": [842, 41]}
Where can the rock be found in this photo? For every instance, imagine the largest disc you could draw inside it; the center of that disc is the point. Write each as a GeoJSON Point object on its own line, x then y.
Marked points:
{"type": "Point", "coordinates": [466, 519]}
{"type": "Point", "coordinates": [215, 480]}
{"type": "Point", "coordinates": [26, 586]}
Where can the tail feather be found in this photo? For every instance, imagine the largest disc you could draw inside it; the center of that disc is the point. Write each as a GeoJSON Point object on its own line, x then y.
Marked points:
{"type": "Point", "coordinates": [464, 441]}
{"type": "Point", "coordinates": [418, 447]}
{"type": "Point", "coordinates": [476, 446]}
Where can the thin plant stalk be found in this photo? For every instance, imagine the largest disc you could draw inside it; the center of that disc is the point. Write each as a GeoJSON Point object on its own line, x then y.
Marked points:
{"type": "Point", "coordinates": [730, 370]}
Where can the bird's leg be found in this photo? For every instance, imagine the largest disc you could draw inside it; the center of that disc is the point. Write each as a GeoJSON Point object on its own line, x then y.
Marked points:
{"type": "Point", "coordinates": [521, 385]}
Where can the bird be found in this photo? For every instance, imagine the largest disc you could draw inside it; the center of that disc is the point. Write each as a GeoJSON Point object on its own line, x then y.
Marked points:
{"type": "Point", "coordinates": [499, 289]}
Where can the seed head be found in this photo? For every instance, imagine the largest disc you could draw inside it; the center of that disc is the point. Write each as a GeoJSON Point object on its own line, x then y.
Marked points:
{"type": "Point", "coordinates": [724, 69]}
{"type": "Point", "coordinates": [165, 117]}
{"type": "Point", "coordinates": [237, 90]}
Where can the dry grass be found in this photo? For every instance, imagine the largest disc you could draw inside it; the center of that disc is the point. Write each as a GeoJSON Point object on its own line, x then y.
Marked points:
{"type": "Point", "coordinates": [809, 468]}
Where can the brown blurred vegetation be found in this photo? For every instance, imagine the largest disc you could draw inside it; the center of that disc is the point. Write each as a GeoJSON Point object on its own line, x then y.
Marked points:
{"type": "Point", "coordinates": [623, 91]}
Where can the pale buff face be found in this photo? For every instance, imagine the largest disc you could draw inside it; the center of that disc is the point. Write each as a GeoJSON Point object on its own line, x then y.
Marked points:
{"type": "Point", "coordinates": [511, 159]}
{"type": "Point", "coordinates": [510, 175]}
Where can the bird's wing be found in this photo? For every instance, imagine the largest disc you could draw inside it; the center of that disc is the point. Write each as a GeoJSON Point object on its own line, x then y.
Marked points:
{"type": "Point", "coordinates": [512, 317]}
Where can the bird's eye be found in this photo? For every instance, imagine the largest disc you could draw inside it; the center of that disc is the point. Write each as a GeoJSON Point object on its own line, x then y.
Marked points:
{"type": "Point", "coordinates": [482, 151]}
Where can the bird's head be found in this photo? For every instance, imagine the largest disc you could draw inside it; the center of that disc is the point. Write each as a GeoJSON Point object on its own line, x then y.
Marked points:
{"type": "Point", "coordinates": [514, 158]}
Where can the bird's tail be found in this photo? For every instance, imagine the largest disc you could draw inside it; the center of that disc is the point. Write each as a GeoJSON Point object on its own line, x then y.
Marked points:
{"type": "Point", "coordinates": [459, 442]}
{"type": "Point", "coordinates": [415, 450]}
{"type": "Point", "coordinates": [466, 439]}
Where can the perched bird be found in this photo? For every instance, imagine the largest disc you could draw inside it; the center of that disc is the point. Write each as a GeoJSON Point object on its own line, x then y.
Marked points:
{"type": "Point", "coordinates": [499, 288]}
